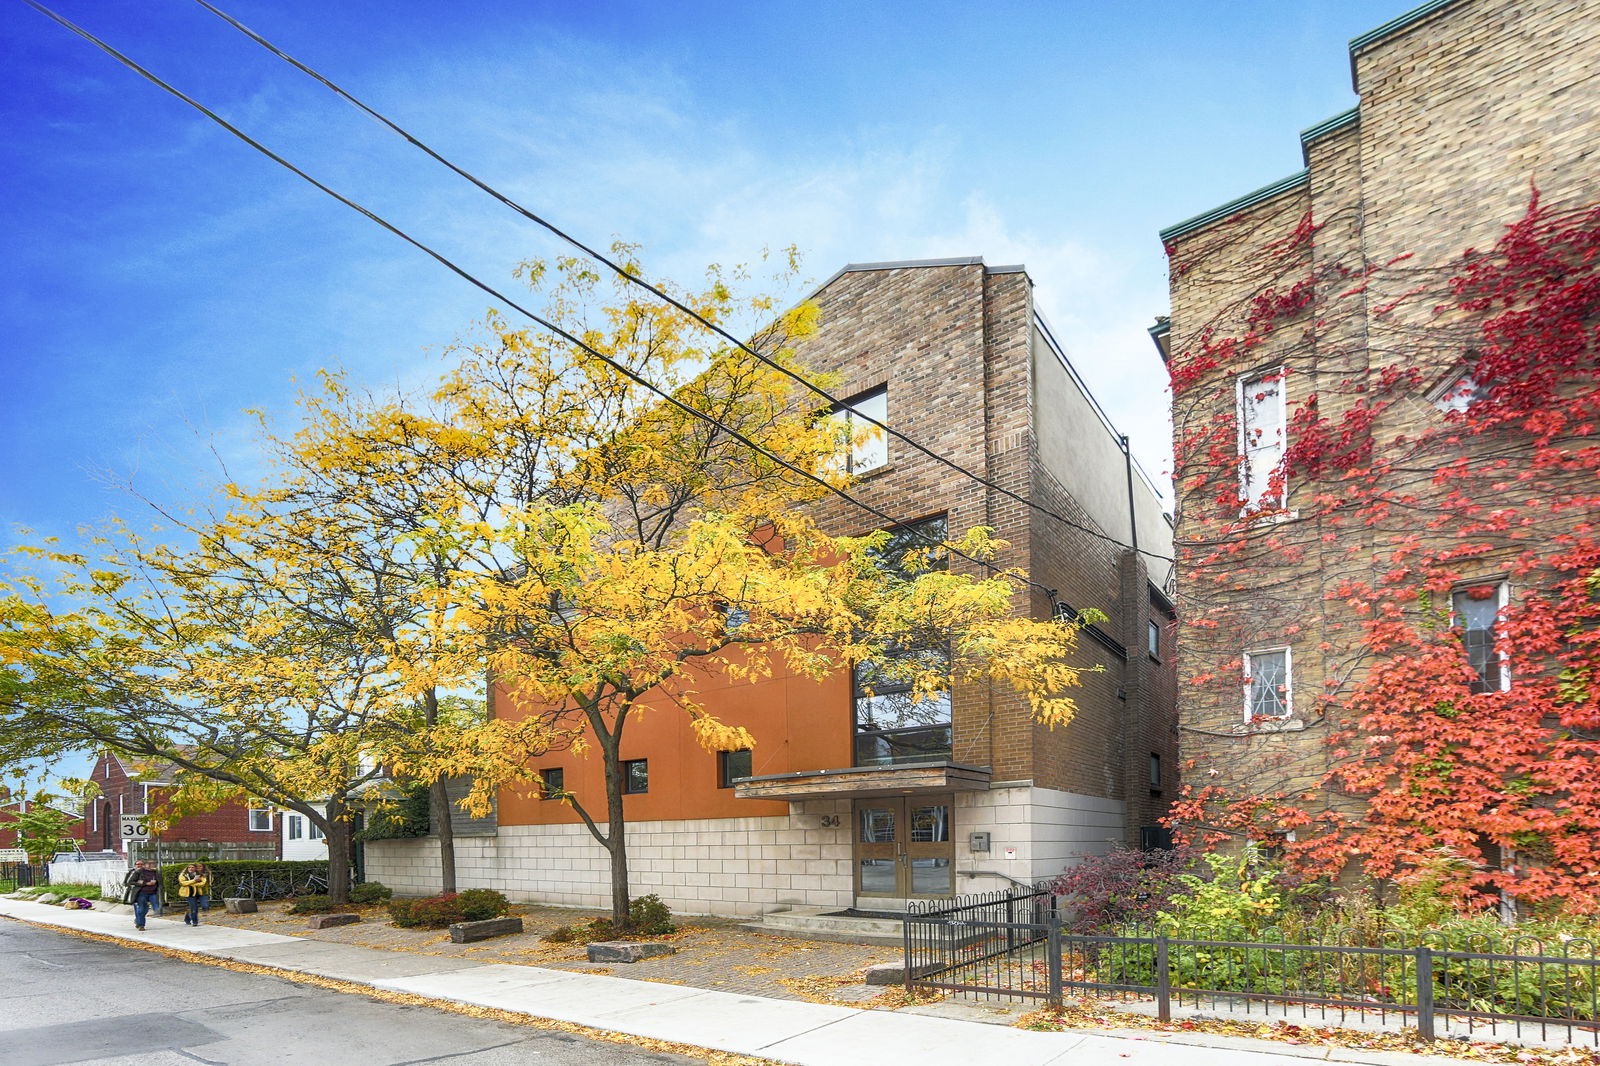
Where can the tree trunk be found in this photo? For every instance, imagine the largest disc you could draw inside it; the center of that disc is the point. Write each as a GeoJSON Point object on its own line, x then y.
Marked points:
{"type": "Point", "coordinates": [338, 835]}
{"type": "Point", "coordinates": [439, 803]}
{"type": "Point", "coordinates": [439, 815]}
{"type": "Point", "coordinates": [616, 843]}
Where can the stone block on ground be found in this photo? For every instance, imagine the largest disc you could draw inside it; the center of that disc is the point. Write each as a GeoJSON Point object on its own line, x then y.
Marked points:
{"type": "Point", "coordinates": [239, 905]}
{"type": "Point", "coordinates": [328, 921]}
{"type": "Point", "coordinates": [467, 932]}
{"type": "Point", "coordinates": [894, 973]}
{"type": "Point", "coordinates": [627, 951]}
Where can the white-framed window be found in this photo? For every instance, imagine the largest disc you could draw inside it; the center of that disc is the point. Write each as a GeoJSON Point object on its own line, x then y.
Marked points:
{"type": "Point", "coordinates": [1262, 429]}
{"type": "Point", "coordinates": [869, 445]}
{"type": "Point", "coordinates": [1475, 612]}
{"type": "Point", "coordinates": [315, 830]}
{"type": "Point", "coordinates": [261, 819]}
{"type": "Point", "coordinates": [1268, 688]}
{"type": "Point", "coordinates": [297, 826]}
{"type": "Point", "coordinates": [1458, 393]}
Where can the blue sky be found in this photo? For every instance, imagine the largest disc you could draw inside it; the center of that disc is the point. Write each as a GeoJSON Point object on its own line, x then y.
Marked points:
{"type": "Point", "coordinates": [159, 278]}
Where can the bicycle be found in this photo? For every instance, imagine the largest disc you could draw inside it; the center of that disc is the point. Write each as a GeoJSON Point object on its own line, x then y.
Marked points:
{"type": "Point", "coordinates": [255, 885]}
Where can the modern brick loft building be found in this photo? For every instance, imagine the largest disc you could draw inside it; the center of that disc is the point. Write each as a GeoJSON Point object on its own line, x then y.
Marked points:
{"type": "Point", "coordinates": [1323, 302]}
{"type": "Point", "coordinates": [857, 799]}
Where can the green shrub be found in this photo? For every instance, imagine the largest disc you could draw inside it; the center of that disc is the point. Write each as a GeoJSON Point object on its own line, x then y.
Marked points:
{"type": "Point", "coordinates": [311, 905]}
{"type": "Point", "coordinates": [647, 916]}
{"type": "Point", "coordinates": [479, 904]}
{"type": "Point", "coordinates": [399, 816]}
{"type": "Point", "coordinates": [289, 875]}
{"type": "Point", "coordinates": [370, 892]}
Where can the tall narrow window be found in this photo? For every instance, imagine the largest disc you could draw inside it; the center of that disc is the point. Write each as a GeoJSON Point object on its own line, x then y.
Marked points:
{"type": "Point", "coordinates": [296, 826]}
{"type": "Point", "coordinates": [895, 721]}
{"type": "Point", "coordinates": [1267, 692]}
{"type": "Point", "coordinates": [868, 446]}
{"type": "Point", "coordinates": [1476, 614]}
{"type": "Point", "coordinates": [1261, 438]}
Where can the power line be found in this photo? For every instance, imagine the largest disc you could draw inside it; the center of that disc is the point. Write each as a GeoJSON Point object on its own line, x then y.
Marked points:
{"type": "Point", "coordinates": [544, 323]}
{"type": "Point", "coordinates": [657, 291]}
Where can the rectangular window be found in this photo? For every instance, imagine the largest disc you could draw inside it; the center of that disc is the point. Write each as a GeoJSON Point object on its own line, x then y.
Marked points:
{"type": "Point", "coordinates": [868, 446]}
{"type": "Point", "coordinates": [1261, 438]}
{"type": "Point", "coordinates": [1155, 838]}
{"type": "Point", "coordinates": [894, 723]}
{"type": "Point", "coordinates": [260, 820]}
{"type": "Point", "coordinates": [552, 782]}
{"type": "Point", "coordinates": [1267, 692]}
{"type": "Point", "coordinates": [296, 826]}
{"type": "Point", "coordinates": [636, 776]}
{"type": "Point", "coordinates": [1153, 640]}
{"type": "Point", "coordinates": [1155, 770]}
{"type": "Point", "coordinates": [734, 618]}
{"type": "Point", "coordinates": [731, 765]}
{"type": "Point", "coordinates": [1475, 614]}
{"type": "Point", "coordinates": [1459, 393]}
{"type": "Point", "coordinates": [316, 831]}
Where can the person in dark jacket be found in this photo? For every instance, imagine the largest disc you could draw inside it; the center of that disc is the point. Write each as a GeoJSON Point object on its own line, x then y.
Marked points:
{"type": "Point", "coordinates": [144, 891]}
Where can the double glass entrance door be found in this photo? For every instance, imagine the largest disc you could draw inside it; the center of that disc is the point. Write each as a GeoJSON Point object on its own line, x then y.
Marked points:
{"type": "Point", "coordinates": [903, 847]}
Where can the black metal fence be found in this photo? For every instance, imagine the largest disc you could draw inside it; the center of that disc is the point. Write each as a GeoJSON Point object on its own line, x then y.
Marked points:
{"type": "Point", "coordinates": [15, 875]}
{"type": "Point", "coordinates": [1013, 945]}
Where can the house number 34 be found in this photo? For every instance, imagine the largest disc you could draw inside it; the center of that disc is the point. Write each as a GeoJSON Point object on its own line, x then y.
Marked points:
{"type": "Point", "coordinates": [829, 821]}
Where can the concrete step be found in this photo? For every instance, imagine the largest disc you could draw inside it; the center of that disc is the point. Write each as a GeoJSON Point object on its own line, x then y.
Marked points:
{"type": "Point", "coordinates": [822, 923]}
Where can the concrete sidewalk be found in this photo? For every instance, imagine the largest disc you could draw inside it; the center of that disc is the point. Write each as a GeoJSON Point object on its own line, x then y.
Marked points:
{"type": "Point", "coordinates": [784, 1030]}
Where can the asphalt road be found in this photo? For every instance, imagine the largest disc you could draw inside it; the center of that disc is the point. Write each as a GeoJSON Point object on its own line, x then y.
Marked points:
{"type": "Point", "coordinates": [65, 999]}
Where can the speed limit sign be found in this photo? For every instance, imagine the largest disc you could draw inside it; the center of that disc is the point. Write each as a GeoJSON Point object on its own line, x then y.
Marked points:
{"type": "Point", "coordinates": [134, 828]}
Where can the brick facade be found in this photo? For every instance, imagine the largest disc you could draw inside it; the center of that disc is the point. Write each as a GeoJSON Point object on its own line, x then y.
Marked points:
{"type": "Point", "coordinates": [1463, 106]}
{"type": "Point", "coordinates": [128, 791]}
{"type": "Point", "coordinates": [973, 375]}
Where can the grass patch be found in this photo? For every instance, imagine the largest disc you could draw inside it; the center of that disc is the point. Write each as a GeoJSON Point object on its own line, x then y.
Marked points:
{"type": "Point", "coordinates": [73, 888]}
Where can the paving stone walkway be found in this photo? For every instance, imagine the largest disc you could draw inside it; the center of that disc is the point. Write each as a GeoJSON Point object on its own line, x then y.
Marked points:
{"type": "Point", "coordinates": [713, 953]}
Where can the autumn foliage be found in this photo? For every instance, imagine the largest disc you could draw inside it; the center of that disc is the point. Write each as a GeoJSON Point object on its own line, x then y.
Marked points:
{"type": "Point", "coordinates": [1440, 452]}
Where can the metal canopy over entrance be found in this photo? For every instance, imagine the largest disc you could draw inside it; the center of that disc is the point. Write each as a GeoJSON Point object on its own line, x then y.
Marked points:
{"type": "Point", "coordinates": [860, 781]}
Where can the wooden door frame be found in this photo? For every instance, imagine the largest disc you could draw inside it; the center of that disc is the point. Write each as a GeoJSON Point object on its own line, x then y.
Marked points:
{"type": "Point", "coordinates": [903, 850]}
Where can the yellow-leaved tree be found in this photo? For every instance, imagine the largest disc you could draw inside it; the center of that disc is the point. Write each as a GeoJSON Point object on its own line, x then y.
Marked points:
{"type": "Point", "coordinates": [618, 549]}
{"type": "Point", "coordinates": [542, 520]}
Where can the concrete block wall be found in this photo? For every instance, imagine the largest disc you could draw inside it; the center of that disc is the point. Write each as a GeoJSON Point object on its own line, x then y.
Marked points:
{"type": "Point", "coordinates": [749, 866]}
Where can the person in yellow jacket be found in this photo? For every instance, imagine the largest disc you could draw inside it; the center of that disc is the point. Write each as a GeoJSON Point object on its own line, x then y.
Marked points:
{"type": "Point", "coordinates": [194, 885]}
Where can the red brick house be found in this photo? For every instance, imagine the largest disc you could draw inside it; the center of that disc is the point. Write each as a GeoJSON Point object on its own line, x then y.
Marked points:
{"type": "Point", "coordinates": [8, 832]}
{"type": "Point", "coordinates": [128, 787]}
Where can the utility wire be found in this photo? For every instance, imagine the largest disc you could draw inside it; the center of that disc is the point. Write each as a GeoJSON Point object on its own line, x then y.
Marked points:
{"type": "Point", "coordinates": [660, 293]}
{"type": "Point", "coordinates": [495, 293]}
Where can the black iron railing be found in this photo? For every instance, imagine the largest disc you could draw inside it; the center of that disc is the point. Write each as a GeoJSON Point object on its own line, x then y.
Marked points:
{"type": "Point", "coordinates": [14, 875]}
{"type": "Point", "coordinates": [1013, 945]}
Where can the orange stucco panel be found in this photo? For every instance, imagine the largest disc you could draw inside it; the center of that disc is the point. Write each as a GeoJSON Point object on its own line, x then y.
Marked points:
{"type": "Point", "coordinates": [799, 724]}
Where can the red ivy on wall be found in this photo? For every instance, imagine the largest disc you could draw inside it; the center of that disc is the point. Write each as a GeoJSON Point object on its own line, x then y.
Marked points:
{"type": "Point", "coordinates": [1393, 504]}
